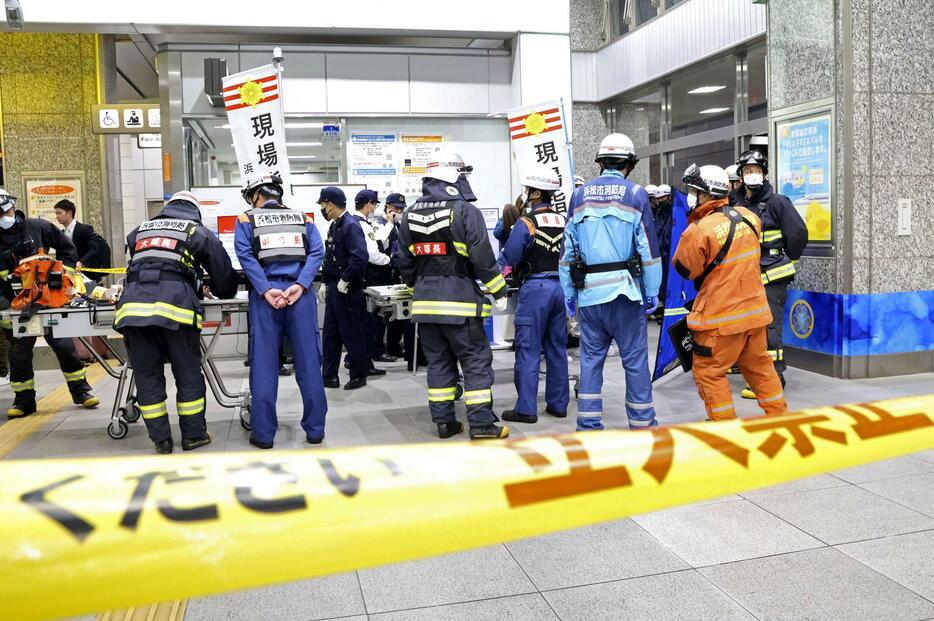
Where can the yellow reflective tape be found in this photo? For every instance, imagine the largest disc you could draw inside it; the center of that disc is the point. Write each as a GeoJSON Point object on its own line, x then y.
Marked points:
{"type": "Point", "coordinates": [73, 525]}
{"type": "Point", "coordinates": [187, 408]}
{"type": "Point", "coordinates": [75, 375]}
{"type": "Point", "coordinates": [475, 397]}
{"type": "Point", "coordinates": [4, 274]}
{"type": "Point", "coordinates": [21, 386]}
{"type": "Point", "coordinates": [153, 410]}
{"type": "Point", "coordinates": [461, 248]}
{"type": "Point", "coordinates": [495, 284]}
{"type": "Point", "coordinates": [157, 309]}
{"type": "Point", "coordinates": [442, 391]}
{"type": "Point", "coordinates": [770, 236]}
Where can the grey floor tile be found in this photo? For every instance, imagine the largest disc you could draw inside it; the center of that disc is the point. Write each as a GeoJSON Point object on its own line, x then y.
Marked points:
{"type": "Point", "coordinates": [715, 533]}
{"type": "Point", "coordinates": [925, 455]}
{"type": "Point", "coordinates": [886, 469]}
{"type": "Point", "coordinates": [678, 596]}
{"type": "Point", "coordinates": [609, 551]}
{"type": "Point", "coordinates": [816, 584]}
{"type": "Point", "coordinates": [906, 559]}
{"type": "Point", "coordinates": [462, 577]}
{"type": "Point", "coordinates": [821, 481]}
{"type": "Point", "coordinates": [845, 514]}
{"type": "Point", "coordinates": [517, 608]}
{"type": "Point", "coordinates": [916, 492]}
{"type": "Point", "coordinates": [321, 598]}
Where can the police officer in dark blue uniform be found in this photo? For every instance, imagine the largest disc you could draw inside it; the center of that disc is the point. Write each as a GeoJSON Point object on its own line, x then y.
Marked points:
{"type": "Point", "coordinates": [377, 273]}
{"type": "Point", "coordinates": [159, 315]}
{"type": "Point", "coordinates": [534, 250]}
{"type": "Point", "coordinates": [280, 252]}
{"type": "Point", "coordinates": [345, 311]}
{"type": "Point", "coordinates": [444, 249]}
{"type": "Point", "coordinates": [387, 236]}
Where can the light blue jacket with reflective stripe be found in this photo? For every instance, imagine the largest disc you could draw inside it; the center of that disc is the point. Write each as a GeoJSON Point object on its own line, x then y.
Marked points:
{"type": "Point", "coordinates": [607, 224]}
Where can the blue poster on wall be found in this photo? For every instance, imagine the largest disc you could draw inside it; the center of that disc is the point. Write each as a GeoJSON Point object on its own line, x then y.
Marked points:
{"type": "Point", "coordinates": [804, 173]}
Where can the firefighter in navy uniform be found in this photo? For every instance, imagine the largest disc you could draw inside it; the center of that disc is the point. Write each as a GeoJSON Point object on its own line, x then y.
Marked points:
{"type": "Point", "coordinates": [782, 241]}
{"type": "Point", "coordinates": [280, 251]}
{"type": "Point", "coordinates": [443, 250]}
{"type": "Point", "coordinates": [159, 315]}
{"type": "Point", "coordinates": [345, 305]}
{"type": "Point", "coordinates": [534, 249]}
{"type": "Point", "coordinates": [21, 238]}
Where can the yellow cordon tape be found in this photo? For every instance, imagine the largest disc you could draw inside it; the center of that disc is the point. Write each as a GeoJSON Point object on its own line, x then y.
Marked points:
{"type": "Point", "coordinates": [81, 535]}
{"type": "Point", "coordinates": [104, 270]}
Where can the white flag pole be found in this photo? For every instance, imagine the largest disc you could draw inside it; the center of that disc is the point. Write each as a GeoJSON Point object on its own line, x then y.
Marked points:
{"type": "Point", "coordinates": [277, 63]}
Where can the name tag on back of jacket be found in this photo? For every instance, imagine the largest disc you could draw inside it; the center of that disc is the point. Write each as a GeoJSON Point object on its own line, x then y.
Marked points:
{"type": "Point", "coordinates": [280, 240]}
{"type": "Point", "coordinates": [274, 219]}
{"type": "Point", "coordinates": [430, 248]}
{"type": "Point", "coordinates": [164, 224]}
{"type": "Point", "coordinates": [549, 219]}
{"type": "Point", "coordinates": [156, 242]}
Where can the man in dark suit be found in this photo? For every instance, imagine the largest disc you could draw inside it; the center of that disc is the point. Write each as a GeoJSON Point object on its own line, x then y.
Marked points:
{"type": "Point", "coordinates": [81, 235]}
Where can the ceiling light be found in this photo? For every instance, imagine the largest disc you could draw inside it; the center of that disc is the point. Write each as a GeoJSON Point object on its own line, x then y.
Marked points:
{"type": "Point", "coordinates": [303, 144]}
{"type": "Point", "coordinates": [703, 90]}
{"type": "Point", "coordinates": [224, 126]}
{"type": "Point", "coordinates": [302, 157]}
{"type": "Point", "coordinates": [713, 110]}
{"type": "Point", "coordinates": [304, 125]}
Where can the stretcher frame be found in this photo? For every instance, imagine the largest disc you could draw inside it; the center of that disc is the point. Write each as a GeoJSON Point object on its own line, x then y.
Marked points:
{"type": "Point", "coordinates": [96, 320]}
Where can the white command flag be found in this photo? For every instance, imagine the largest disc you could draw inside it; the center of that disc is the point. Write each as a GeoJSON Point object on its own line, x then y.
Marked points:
{"type": "Point", "coordinates": [257, 126]}
{"type": "Point", "coordinates": [539, 136]}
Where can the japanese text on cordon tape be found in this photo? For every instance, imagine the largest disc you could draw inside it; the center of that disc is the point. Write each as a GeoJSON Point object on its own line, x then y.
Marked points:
{"type": "Point", "coordinates": [108, 533]}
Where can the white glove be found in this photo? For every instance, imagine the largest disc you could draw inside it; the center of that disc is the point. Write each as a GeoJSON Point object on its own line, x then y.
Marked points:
{"type": "Point", "coordinates": [500, 304]}
{"type": "Point", "coordinates": [322, 293]}
{"type": "Point", "coordinates": [343, 286]}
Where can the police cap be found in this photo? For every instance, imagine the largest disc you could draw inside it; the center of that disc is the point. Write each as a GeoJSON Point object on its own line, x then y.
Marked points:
{"type": "Point", "coordinates": [334, 195]}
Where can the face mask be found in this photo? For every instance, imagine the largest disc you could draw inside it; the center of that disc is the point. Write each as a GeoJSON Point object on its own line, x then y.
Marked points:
{"type": "Point", "coordinates": [753, 180]}
{"type": "Point", "coordinates": [324, 212]}
{"type": "Point", "coordinates": [692, 200]}
{"type": "Point", "coordinates": [525, 197]}
{"type": "Point", "coordinates": [7, 222]}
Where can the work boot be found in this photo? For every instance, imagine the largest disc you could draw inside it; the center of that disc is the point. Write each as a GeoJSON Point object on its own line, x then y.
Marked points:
{"type": "Point", "coordinates": [747, 393]}
{"type": "Point", "coordinates": [164, 447]}
{"type": "Point", "coordinates": [284, 371]}
{"type": "Point", "coordinates": [21, 409]}
{"type": "Point", "coordinates": [356, 382]}
{"type": "Point", "coordinates": [332, 382]}
{"type": "Point", "coordinates": [86, 399]}
{"type": "Point", "coordinates": [556, 414]}
{"type": "Point", "coordinates": [491, 432]}
{"type": "Point", "coordinates": [446, 430]}
{"type": "Point", "coordinates": [515, 417]}
{"type": "Point", "coordinates": [190, 444]}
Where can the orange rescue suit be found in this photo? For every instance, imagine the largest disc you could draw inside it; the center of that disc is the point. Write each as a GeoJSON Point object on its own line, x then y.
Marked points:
{"type": "Point", "coordinates": [730, 314]}
{"type": "Point", "coordinates": [46, 283]}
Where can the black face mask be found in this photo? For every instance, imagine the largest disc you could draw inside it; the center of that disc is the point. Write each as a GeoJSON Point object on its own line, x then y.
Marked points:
{"type": "Point", "coordinates": [663, 204]}
{"type": "Point", "coordinates": [324, 212]}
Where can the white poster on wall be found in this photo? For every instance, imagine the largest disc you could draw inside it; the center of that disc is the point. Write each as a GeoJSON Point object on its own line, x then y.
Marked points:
{"type": "Point", "coordinates": [257, 125]}
{"type": "Point", "coordinates": [416, 150]}
{"type": "Point", "coordinates": [538, 136]}
{"type": "Point", "coordinates": [373, 161]}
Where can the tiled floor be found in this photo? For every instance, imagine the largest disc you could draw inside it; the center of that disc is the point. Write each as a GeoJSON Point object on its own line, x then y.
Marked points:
{"type": "Point", "coordinates": [853, 544]}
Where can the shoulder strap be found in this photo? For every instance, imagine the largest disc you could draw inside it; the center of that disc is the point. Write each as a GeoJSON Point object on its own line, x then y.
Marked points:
{"type": "Point", "coordinates": [735, 218]}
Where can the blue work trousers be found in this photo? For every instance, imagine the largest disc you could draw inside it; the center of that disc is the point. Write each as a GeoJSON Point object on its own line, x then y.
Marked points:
{"type": "Point", "coordinates": [268, 327]}
{"type": "Point", "coordinates": [541, 325]}
{"type": "Point", "coordinates": [623, 321]}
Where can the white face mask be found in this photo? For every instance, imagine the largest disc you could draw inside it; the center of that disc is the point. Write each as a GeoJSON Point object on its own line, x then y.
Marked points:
{"type": "Point", "coordinates": [7, 222]}
{"type": "Point", "coordinates": [525, 196]}
{"type": "Point", "coordinates": [692, 200]}
{"type": "Point", "coordinates": [753, 180]}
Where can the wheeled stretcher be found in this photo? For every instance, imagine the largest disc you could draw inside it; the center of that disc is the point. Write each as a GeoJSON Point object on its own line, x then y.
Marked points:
{"type": "Point", "coordinates": [84, 323]}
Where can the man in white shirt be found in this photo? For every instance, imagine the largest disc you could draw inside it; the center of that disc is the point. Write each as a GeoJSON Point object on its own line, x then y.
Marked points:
{"type": "Point", "coordinates": [365, 204]}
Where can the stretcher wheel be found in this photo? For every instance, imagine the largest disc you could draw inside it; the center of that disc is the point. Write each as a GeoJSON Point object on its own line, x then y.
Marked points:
{"type": "Point", "coordinates": [118, 429]}
{"type": "Point", "coordinates": [245, 422]}
{"type": "Point", "coordinates": [577, 386]}
{"type": "Point", "coordinates": [132, 414]}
